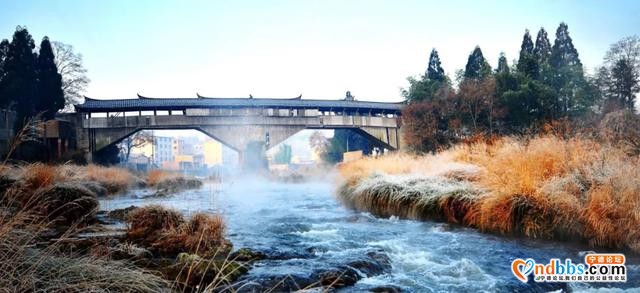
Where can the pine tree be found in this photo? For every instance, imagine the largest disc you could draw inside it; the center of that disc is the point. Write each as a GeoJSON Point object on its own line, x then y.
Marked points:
{"type": "Point", "coordinates": [563, 52]}
{"type": "Point", "coordinates": [527, 63]}
{"type": "Point", "coordinates": [428, 87]}
{"type": "Point", "coordinates": [477, 67]}
{"type": "Point", "coordinates": [527, 44]}
{"type": "Point", "coordinates": [19, 85]}
{"type": "Point", "coordinates": [503, 66]}
{"type": "Point", "coordinates": [542, 50]}
{"type": "Point", "coordinates": [434, 70]}
{"type": "Point", "coordinates": [567, 76]}
{"type": "Point", "coordinates": [4, 49]}
{"type": "Point", "coordinates": [50, 96]}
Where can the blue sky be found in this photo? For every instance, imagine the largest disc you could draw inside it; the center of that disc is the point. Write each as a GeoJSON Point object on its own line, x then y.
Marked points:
{"type": "Point", "coordinates": [284, 48]}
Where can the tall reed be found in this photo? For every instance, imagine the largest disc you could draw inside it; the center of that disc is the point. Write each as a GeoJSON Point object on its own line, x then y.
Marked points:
{"type": "Point", "coordinates": [541, 187]}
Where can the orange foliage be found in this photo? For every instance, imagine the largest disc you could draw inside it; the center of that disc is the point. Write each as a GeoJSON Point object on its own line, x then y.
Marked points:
{"type": "Point", "coordinates": [113, 178]}
{"type": "Point", "coordinates": [39, 175]}
{"type": "Point", "coordinates": [156, 176]}
{"type": "Point", "coordinates": [542, 187]}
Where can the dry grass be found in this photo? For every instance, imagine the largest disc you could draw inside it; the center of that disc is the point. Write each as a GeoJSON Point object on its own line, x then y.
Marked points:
{"type": "Point", "coordinates": [204, 233]}
{"type": "Point", "coordinates": [34, 199]}
{"type": "Point", "coordinates": [209, 274]}
{"type": "Point", "coordinates": [66, 203]}
{"type": "Point", "coordinates": [167, 233]}
{"type": "Point", "coordinates": [397, 164]}
{"type": "Point", "coordinates": [156, 176]}
{"type": "Point", "coordinates": [147, 224]}
{"type": "Point", "coordinates": [515, 172]}
{"type": "Point", "coordinates": [411, 196]}
{"type": "Point", "coordinates": [544, 187]}
{"type": "Point", "coordinates": [27, 267]}
{"type": "Point", "coordinates": [50, 273]}
{"type": "Point", "coordinates": [171, 181]}
{"type": "Point", "coordinates": [38, 175]}
{"type": "Point", "coordinates": [113, 178]}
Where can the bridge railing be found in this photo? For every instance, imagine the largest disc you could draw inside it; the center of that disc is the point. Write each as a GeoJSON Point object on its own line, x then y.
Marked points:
{"type": "Point", "coordinates": [184, 121]}
{"type": "Point", "coordinates": [359, 121]}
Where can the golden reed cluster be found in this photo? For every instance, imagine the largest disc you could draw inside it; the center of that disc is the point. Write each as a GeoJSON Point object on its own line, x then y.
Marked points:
{"type": "Point", "coordinates": [542, 187]}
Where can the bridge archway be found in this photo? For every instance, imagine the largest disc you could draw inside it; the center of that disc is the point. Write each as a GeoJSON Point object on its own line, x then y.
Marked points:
{"type": "Point", "coordinates": [235, 122]}
{"type": "Point", "coordinates": [161, 148]}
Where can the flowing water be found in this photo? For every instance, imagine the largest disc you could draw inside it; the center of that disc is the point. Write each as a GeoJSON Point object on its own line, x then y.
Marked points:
{"type": "Point", "coordinates": [309, 230]}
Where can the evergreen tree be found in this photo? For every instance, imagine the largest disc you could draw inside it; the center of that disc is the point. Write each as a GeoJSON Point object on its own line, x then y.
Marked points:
{"type": "Point", "coordinates": [528, 103]}
{"type": "Point", "coordinates": [4, 48]}
{"type": "Point", "coordinates": [527, 45]}
{"type": "Point", "coordinates": [624, 84]}
{"type": "Point", "coordinates": [427, 88]}
{"type": "Point", "coordinates": [50, 96]}
{"type": "Point", "coordinates": [563, 52]}
{"type": "Point", "coordinates": [503, 66]}
{"type": "Point", "coordinates": [542, 50]}
{"type": "Point", "coordinates": [477, 67]}
{"type": "Point", "coordinates": [18, 87]}
{"type": "Point", "coordinates": [434, 70]}
{"type": "Point", "coordinates": [527, 63]}
{"type": "Point", "coordinates": [567, 76]}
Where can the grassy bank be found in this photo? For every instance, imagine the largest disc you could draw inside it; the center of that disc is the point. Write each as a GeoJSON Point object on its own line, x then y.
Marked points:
{"type": "Point", "coordinates": [545, 187]}
{"type": "Point", "coordinates": [43, 208]}
{"type": "Point", "coordinates": [40, 205]}
{"type": "Point", "coordinates": [101, 180]}
{"type": "Point", "coordinates": [38, 175]}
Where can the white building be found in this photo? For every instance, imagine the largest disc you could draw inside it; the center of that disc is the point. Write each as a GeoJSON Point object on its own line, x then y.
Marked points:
{"type": "Point", "coordinates": [163, 150]}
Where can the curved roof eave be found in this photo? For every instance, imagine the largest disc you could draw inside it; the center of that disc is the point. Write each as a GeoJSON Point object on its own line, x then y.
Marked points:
{"type": "Point", "coordinates": [147, 103]}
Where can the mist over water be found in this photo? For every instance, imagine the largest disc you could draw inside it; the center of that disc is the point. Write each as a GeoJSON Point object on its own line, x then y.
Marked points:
{"type": "Point", "coordinates": [303, 228]}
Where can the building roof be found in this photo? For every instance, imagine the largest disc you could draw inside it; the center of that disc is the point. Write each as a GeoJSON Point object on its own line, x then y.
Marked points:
{"type": "Point", "coordinates": [146, 103]}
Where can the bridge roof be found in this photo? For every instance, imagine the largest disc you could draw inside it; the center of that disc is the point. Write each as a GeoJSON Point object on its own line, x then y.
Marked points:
{"type": "Point", "coordinates": [146, 104]}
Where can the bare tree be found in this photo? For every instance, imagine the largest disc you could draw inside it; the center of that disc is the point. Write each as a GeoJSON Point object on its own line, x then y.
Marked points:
{"type": "Point", "coordinates": [627, 48]}
{"type": "Point", "coordinates": [477, 100]}
{"type": "Point", "coordinates": [136, 140]}
{"type": "Point", "coordinates": [74, 75]}
{"type": "Point", "coordinates": [623, 64]}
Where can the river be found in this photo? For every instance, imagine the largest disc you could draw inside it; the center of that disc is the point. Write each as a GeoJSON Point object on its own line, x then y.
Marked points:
{"type": "Point", "coordinates": [311, 230]}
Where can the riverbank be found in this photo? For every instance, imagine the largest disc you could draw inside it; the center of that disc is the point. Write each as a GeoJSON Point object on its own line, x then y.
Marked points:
{"type": "Point", "coordinates": [57, 236]}
{"type": "Point", "coordinates": [52, 240]}
{"type": "Point", "coordinates": [544, 188]}
{"type": "Point", "coordinates": [303, 237]}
